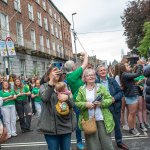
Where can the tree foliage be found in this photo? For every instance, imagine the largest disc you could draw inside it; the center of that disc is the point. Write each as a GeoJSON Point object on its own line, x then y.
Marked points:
{"type": "Point", "coordinates": [136, 13]}
{"type": "Point", "coordinates": [144, 47]}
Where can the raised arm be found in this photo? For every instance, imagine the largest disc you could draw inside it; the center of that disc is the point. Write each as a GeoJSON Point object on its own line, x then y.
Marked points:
{"type": "Point", "coordinates": [85, 61]}
{"type": "Point", "coordinates": [133, 75]}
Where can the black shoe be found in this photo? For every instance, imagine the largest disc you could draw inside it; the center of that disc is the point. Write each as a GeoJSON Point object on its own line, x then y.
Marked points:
{"type": "Point", "coordinates": [123, 146]}
{"type": "Point", "coordinates": [28, 130]}
{"type": "Point", "coordinates": [23, 131]}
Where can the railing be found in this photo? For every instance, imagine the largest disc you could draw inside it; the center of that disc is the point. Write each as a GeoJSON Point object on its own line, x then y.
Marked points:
{"type": "Point", "coordinates": [30, 45]}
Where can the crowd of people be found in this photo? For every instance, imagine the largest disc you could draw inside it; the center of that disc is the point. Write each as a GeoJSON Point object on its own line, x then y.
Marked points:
{"type": "Point", "coordinates": [62, 100]}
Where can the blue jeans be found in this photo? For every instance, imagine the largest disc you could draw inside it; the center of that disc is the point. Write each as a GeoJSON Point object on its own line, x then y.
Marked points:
{"type": "Point", "coordinates": [58, 142]}
{"type": "Point", "coordinates": [38, 108]}
{"type": "Point", "coordinates": [78, 131]}
{"type": "Point", "coordinates": [116, 117]}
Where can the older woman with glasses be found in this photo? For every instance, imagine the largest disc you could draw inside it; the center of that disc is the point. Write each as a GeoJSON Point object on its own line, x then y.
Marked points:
{"type": "Point", "coordinates": [101, 140]}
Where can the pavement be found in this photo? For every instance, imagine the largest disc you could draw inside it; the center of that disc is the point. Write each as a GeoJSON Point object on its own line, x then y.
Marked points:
{"type": "Point", "coordinates": [35, 141]}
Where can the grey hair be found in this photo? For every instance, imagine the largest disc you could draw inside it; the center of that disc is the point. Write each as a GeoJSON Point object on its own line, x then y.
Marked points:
{"type": "Point", "coordinates": [101, 65]}
{"type": "Point", "coordinates": [68, 65]}
{"type": "Point", "coordinates": [87, 71]}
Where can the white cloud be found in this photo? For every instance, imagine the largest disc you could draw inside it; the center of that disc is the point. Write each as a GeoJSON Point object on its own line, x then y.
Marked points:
{"type": "Point", "coordinates": [97, 16]}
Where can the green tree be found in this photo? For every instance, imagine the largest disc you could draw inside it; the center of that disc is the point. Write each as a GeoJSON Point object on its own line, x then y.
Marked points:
{"type": "Point", "coordinates": [144, 47]}
{"type": "Point", "coordinates": [136, 13]}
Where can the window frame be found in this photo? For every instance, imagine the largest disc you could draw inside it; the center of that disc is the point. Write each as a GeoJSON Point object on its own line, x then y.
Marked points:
{"type": "Point", "coordinates": [46, 23]}
{"type": "Point", "coordinates": [19, 35]}
{"type": "Point", "coordinates": [4, 27]}
{"type": "Point", "coordinates": [33, 40]}
{"type": "Point", "coordinates": [17, 5]}
{"type": "Point", "coordinates": [39, 19]}
{"type": "Point", "coordinates": [30, 12]}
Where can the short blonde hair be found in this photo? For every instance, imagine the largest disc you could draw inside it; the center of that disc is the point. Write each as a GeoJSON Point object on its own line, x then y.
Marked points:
{"type": "Point", "coordinates": [60, 86]}
{"type": "Point", "coordinates": [86, 72]}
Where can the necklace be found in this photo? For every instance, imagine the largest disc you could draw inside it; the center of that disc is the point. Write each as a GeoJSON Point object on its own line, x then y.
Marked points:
{"type": "Point", "coordinates": [90, 88]}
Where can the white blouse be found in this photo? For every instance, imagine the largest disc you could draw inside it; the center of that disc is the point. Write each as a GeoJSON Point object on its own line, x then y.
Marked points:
{"type": "Point", "coordinates": [90, 95]}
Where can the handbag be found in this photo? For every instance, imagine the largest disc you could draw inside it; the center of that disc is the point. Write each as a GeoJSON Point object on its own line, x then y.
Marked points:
{"type": "Point", "coordinates": [89, 126]}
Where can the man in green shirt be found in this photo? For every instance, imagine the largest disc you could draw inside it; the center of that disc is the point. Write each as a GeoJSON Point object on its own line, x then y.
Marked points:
{"type": "Point", "coordinates": [74, 80]}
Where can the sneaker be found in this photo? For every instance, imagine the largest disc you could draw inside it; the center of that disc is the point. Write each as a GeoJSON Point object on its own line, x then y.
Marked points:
{"type": "Point", "coordinates": [142, 127]}
{"type": "Point", "coordinates": [125, 127]}
{"type": "Point", "coordinates": [137, 131]}
{"type": "Point", "coordinates": [134, 132]}
{"type": "Point", "coordinates": [14, 135]}
{"type": "Point", "coordinates": [80, 146]}
{"type": "Point", "coordinates": [147, 125]}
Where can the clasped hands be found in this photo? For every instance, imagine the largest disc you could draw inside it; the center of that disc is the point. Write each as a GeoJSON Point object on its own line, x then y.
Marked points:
{"type": "Point", "coordinates": [91, 105]}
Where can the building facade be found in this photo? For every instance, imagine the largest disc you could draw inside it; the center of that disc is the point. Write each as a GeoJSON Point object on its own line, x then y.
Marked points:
{"type": "Point", "coordinates": [39, 34]}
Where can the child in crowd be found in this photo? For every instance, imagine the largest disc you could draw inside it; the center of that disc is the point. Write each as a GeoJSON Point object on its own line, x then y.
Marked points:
{"type": "Point", "coordinates": [62, 107]}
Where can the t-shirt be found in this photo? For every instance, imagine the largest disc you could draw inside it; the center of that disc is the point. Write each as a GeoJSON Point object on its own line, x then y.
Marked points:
{"type": "Point", "coordinates": [24, 90]}
{"type": "Point", "coordinates": [139, 79]}
{"type": "Point", "coordinates": [74, 80]}
{"type": "Point", "coordinates": [35, 91]}
{"type": "Point", "coordinates": [4, 94]}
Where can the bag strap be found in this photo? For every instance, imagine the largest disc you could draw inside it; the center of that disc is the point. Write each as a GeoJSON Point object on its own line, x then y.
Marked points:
{"type": "Point", "coordinates": [95, 94]}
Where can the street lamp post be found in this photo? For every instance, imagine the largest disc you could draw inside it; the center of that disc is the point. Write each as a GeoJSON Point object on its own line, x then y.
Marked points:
{"type": "Point", "coordinates": [75, 36]}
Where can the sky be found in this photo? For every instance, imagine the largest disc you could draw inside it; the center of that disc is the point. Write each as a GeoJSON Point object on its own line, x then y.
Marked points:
{"type": "Point", "coordinates": [93, 22]}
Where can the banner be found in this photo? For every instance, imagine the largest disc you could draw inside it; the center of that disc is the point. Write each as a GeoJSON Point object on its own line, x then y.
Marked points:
{"type": "Point", "coordinates": [3, 49]}
{"type": "Point", "coordinates": [10, 48]}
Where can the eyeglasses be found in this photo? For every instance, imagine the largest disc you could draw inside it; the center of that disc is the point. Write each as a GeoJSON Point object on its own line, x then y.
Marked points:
{"type": "Point", "coordinates": [90, 75]}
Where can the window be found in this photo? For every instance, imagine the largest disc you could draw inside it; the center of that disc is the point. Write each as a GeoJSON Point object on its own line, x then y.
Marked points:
{"type": "Point", "coordinates": [35, 67]}
{"type": "Point", "coordinates": [30, 9]}
{"type": "Point", "coordinates": [39, 19]}
{"type": "Point", "coordinates": [19, 33]}
{"type": "Point", "coordinates": [22, 67]}
{"type": "Point", "coordinates": [55, 17]}
{"type": "Point", "coordinates": [56, 31]}
{"type": "Point", "coordinates": [60, 35]}
{"type": "Point", "coordinates": [44, 4]}
{"type": "Point", "coordinates": [54, 47]}
{"type": "Point", "coordinates": [41, 43]}
{"type": "Point", "coordinates": [46, 24]}
{"type": "Point", "coordinates": [47, 43]}
{"type": "Point", "coordinates": [17, 5]}
{"type": "Point", "coordinates": [4, 26]}
{"type": "Point", "coordinates": [33, 40]}
{"type": "Point", "coordinates": [38, 1]}
{"type": "Point", "coordinates": [43, 67]}
{"type": "Point", "coordinates": [50, 12]}
{"type": "Point", "coordinates": [59, 20]}
{"type": "Point", "coordinates": [4, 1]}
{"type": "Point", "coordinates": [52, 29]}
{"type": "Point", "coordinates": [61, 50]}
{"type": "Point", "coordinates": [58, 50]}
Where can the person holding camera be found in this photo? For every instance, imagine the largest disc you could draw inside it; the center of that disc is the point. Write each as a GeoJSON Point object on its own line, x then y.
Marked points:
{"type": "Point", "coordinates": [131, 93]}
{"type": "Point", "coordinates": [101, 139]}
{"type": "Point", "coordinates": [57, 128]}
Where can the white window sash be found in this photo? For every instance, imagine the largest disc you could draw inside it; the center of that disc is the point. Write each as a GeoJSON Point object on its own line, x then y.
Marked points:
{"type": "Point", "coordinates": [30, 10]}
{"type": "Point", "coordinates": [17, 5]}
{"type": "Point", "coordinates": [4, 31]}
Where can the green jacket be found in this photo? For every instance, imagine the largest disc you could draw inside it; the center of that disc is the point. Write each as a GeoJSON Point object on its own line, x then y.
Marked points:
{"type": "Point", "coordinates": [106, 102]}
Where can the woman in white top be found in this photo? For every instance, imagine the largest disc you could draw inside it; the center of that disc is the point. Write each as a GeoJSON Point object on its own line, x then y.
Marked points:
{"type": "Point", "coordinates": [101, 140]}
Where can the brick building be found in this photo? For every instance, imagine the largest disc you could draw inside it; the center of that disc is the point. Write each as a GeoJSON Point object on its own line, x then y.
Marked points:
{"type": "Point", "coordinates": [41, 34]}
